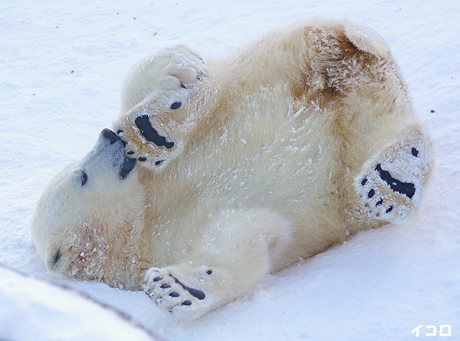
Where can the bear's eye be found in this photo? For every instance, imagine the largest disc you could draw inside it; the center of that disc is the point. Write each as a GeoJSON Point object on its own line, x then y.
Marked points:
{"type": "Point", "coordinates": [83, 179]}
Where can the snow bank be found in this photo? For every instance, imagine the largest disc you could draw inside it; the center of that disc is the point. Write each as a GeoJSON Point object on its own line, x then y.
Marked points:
{"type": "Point", "coordinates": [31, 309]}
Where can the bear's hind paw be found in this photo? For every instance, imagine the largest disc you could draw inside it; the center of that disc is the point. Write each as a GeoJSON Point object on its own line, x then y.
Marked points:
{"type": "Point", "coordinates": [391, 184]}
{"type": "Point", "coordinates": [169, 293]}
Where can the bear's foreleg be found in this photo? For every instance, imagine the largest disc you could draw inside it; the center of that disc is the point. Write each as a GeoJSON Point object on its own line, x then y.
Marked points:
{"type": "Point", "coordinates": [236, 250]}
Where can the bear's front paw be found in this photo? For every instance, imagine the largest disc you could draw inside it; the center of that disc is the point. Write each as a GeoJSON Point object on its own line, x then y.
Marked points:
{"type": "Point", "coordinates": [172, 294]}
{"type": "Point", "coordinates": [391, 184]}
{"type": "Point", "coordinates": [186, 68]}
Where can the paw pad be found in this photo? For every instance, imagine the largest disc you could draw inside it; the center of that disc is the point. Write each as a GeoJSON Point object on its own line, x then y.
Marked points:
{"type": "Point", "coordinates": [171, 294]}
{"type": "Point", "coordinates": [176, 105]}
{"type": "Point", "coordinates": [405, 188]}
{"type": "Point", "coordinates": [391, 184]}
{"type": "Point", "coordinates": [150, 133]}
{"type": "Point", "coordinates": [381, 192]}
{"type": "Point", "coordinates": [371, 193]}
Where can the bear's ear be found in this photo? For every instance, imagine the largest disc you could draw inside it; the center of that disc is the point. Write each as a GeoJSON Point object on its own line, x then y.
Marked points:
{"type": "Point", "coordinates": [366, 39]}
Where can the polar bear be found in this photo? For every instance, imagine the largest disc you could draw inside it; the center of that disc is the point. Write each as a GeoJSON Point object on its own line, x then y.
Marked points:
{"type": "Point", "coordinates": [224, 171]}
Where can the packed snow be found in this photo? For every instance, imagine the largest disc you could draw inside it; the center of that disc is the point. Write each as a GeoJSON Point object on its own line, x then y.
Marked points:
{"type": "Point", "coordinates": [63, 64]}
{"type": "Point", "coordinates": [30, 307]}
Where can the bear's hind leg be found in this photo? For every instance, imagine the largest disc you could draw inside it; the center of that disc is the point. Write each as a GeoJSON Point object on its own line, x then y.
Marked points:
{"type": "Point", "coordinates": [391, 184]}
{"type": "Point", "coordinates": [235, 251]}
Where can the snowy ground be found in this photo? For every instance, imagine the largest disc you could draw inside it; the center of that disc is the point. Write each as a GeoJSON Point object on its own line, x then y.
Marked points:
{"type": "Point", "coordinates": [62, 65]}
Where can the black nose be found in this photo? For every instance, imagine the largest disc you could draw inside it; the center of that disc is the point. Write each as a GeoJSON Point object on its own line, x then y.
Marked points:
{"type": "Point", "coordinates": [110, 135]}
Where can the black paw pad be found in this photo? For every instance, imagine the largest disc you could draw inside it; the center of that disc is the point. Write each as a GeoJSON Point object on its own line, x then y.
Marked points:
{"type": "Point", "coordinates": [415, 152]}
{"type": "Point", "coordinates": [186, 302]}
{"type": "Point", "coordinates": [174, 294]}
{"type": "Point", "coordinates": [405, 188]}
{"type": "Point", "coordinates": [371, 193]}
{"type": "Point", "coordinates": [176, 105]}
{"type": "Point", "coordinates": [150, 133]}
{"type": "Point", "coordinates": [165, 286]}
{"type": "Point", "coordinates": [194, 292]}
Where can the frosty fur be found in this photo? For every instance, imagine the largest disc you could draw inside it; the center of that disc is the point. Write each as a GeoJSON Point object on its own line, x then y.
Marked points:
{"type": "Point", "coordinates": [246, 164]}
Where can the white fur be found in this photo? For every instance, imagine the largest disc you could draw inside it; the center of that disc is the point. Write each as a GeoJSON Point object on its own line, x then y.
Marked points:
{"type": "Point", "coordinates": [274, 160]}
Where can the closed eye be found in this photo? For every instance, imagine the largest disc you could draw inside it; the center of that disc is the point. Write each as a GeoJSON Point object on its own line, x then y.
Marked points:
{"type": "Point", "coordinates": [56, 257]}
{"type": "Point", "coordinates": [83, 178]}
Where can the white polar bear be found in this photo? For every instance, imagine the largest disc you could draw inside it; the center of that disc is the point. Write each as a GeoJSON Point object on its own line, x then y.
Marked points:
{"type": "Point", "coordinates": [246, 165]}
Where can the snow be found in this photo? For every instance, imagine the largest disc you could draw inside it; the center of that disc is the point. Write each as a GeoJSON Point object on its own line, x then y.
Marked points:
{"type": "Point", "coordinates": [62, 67]}
{"type": "Point", "coordinates": [32, 307]}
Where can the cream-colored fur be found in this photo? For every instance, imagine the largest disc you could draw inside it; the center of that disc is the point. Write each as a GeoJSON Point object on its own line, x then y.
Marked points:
{"type": "Point", "coordinates": [89, 220]}
{"type": "Point", "coordinates": [246, 164]}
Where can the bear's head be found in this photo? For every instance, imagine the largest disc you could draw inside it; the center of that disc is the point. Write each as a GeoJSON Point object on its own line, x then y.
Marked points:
{"type": "Point", "coordinates": [83, 210]}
